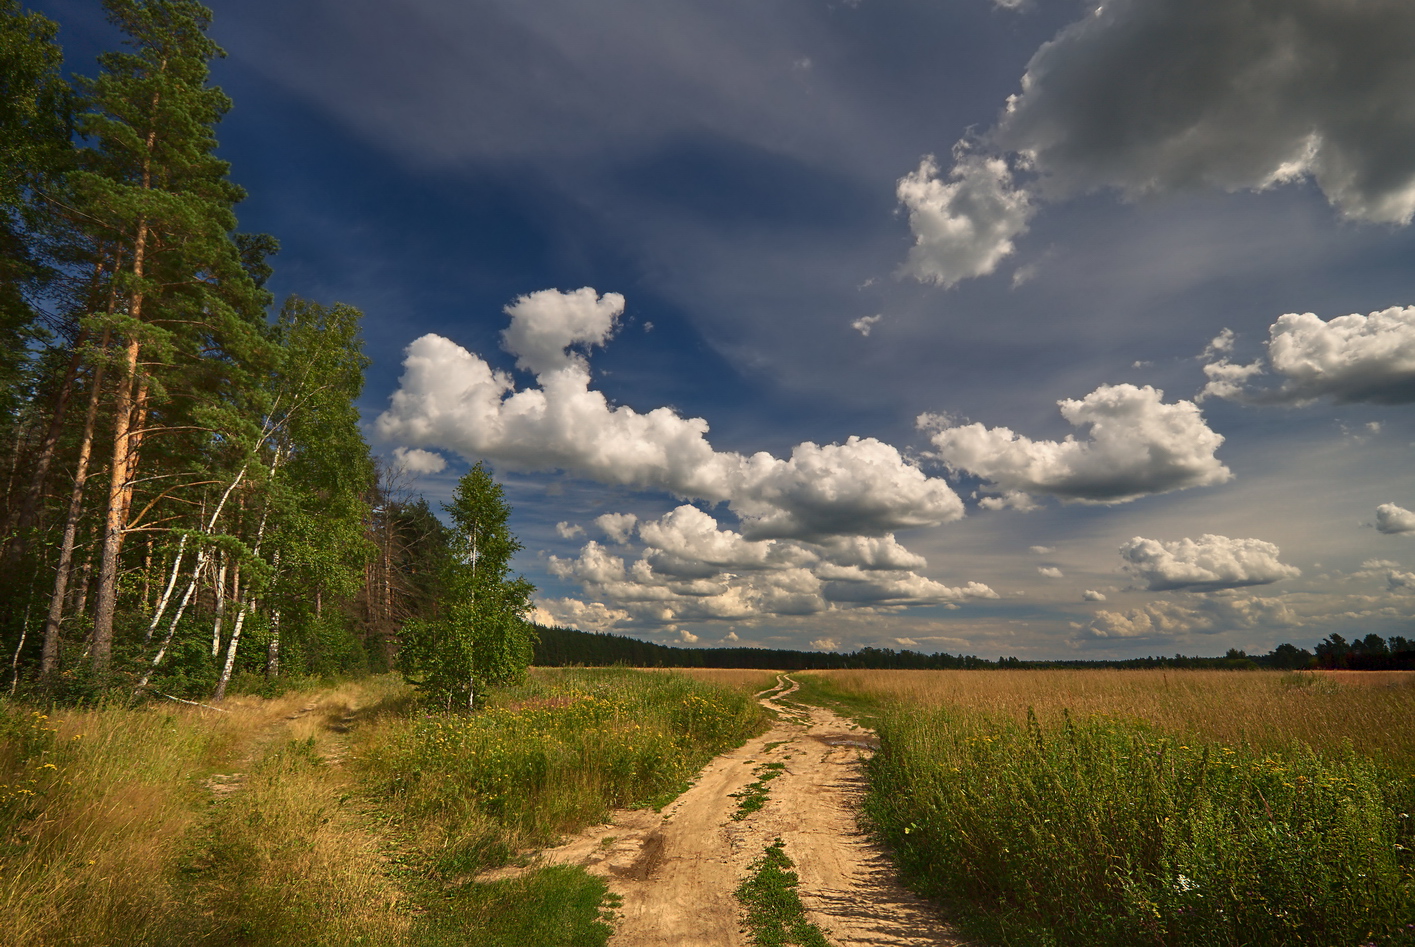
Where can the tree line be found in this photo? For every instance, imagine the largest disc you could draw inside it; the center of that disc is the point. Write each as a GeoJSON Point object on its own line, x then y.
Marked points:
{"type": "Point", "coordinates": [186, 494]}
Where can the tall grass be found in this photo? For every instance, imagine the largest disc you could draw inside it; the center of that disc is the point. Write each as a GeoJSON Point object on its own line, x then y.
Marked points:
{"type": "Point", "coordinates": [1263, 708]}
{"type": "Point", "coordinates": [548, 758]}
{"type": "Point", "coordinates": [1189, 808]}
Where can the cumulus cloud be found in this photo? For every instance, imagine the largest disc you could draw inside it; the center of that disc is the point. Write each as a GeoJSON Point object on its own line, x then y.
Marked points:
{"type": "Point", "coordinates": [1349, 359]}
{"type": "Point", "coordinates": [825, 644]}
{"type": "Point", "coordinates": [416, 461]}
{"type": "Point", "coordinates": [691, 569]}
{"type": "Point", "coordinates": [1091, 595]}
{"type": "Point", "coordinates": [573, 613]}
{"type": "Point", "coordinates": [906, 642]}
{"type": "Point", "coordinates": [864, 324]}
{"type": "Point", "coordinates": [451, 398]}
{"type": "Point", "coordinates": [1138, 446]}
{"type": "Point", "coordinates": [1207, 564]}
{"type": "Point", "coordinates": [1168, 620]}
{"type": "Point", "coordinates": [1043, 550]}
{"type": "Point", "coordinates": [569, 531]}
{"type": "Point", "coordinates": [617, 526]}
{"type": "Point", "coordinates": [1051, 572]}
{"type": "Point", "coordinates": [1394, 520]}
{"type": "Point", "coordinates": [1159, 95]}
{"type": "Point", "coordinates": [1400, 581]}
{"type": "Point", "coordinates": [963, 226]}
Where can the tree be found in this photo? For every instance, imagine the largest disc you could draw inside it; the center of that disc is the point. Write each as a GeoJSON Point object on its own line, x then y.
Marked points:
{"type": "Point", "coordinates": [480, 635]}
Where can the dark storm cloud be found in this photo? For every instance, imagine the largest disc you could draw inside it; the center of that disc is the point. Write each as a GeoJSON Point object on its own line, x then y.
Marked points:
{"type": "Point", "coordinates": [1153, 95]}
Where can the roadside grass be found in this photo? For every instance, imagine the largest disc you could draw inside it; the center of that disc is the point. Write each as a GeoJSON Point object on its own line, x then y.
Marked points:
{"type": "Point", "coordinates": [547, 758]}
{"type": "Point", "coordinates": [327, 817]}
{"type": "Point", "coordinates": [775, 915]}
{"type": "Point", "coordinates": [1195, 814]}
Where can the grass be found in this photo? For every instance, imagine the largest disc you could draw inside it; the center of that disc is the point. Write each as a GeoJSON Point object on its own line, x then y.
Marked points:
{"type": "Point", "coordinates": [548, 758]}
{"type": "Point", "coordinates": [328, 815]}
{"type": "Point", "coordinates": [1190, 808]}
{"type": "Point", "coordinates": [775, 915]}
{"type": "Point", "coordinates": [753, 795]}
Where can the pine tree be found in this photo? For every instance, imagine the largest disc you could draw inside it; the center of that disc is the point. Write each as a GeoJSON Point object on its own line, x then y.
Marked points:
{"type": "Point", "coordinates": [481, 635]}
{"type": "Point", "coordinates": [189, 316]}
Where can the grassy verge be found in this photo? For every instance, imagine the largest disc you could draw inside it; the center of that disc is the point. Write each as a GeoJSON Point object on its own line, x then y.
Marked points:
{"type": "Point", "coordinates": [548, 758]}
{"type": "Point", "coordinates": [775, 915]}
{"type": "Point", "coordinates": [333, 817]}
{"type": "Point", "coordinates": [1113, 833]}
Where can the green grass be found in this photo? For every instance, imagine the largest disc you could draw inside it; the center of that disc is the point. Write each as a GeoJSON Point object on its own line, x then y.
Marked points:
{"type": "Point", "coordinates": [775, 915]}
{"type": "Point", "coordinates": [1111, 832]}
{"type": "Point", "coordinates": [753, 795]}
{"type": "Point", "coordinates": [351, 817]}
{"type": "Point", "coordinates": [548, 758]}
{"type": "Point", "coordinates": [554, 907]}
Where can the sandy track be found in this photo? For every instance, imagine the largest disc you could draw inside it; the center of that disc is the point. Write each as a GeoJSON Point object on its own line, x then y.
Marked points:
{"type": "Point", "coordinates": [677, 871]}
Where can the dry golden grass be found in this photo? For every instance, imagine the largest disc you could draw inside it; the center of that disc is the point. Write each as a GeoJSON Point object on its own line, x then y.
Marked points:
{"type": "Point", "coordinates": [122, 796]}
{"type": "Point", "coordinates": [1267, 708]}
{"type": "Point", "coordinates": [744, 679]}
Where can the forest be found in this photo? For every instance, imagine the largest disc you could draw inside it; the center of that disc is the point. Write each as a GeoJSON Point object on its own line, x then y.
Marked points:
{"type": "Point", "coordinates": [187, 498]}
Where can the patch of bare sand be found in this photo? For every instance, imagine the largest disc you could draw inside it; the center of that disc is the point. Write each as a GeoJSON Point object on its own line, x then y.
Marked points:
{"type": "Point", "coordinates": [677, 871]}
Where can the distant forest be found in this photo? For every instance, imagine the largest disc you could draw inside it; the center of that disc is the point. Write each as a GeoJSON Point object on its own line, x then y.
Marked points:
{"type": "Point", "coordinates": [561, 647]}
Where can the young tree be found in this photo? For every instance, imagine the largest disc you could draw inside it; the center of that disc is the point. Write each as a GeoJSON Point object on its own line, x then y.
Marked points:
{"type": "Point", "coordinates": [480, 635]}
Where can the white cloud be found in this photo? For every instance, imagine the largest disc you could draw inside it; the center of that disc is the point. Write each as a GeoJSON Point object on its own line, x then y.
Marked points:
{"type": "Point", "coordinates": [1138, 446]}
{"type": "Point", "coordinates": [1161, 95]}
{"type": "Point", "coordinates": [545, 324]}
{"type": "Point", "coordinates": [1051, 572]}
{"type": "Point", "coordinates": [1169, 620]}
{"type": "Point", "coordinates": [567, 531]}
{"type": "Point", "coordinates": [449, 397]}
{"type": "Point", "coordinates": [686, 636]}
{"type": "Point", "coordinates": [964, 226]}
{"type": "Point", "coordinates": [731, 636]}
{"type": "Point", "coordinates": [1043, 550]}
{"type": "Point", "coordinates": [1207, 564]}
{"type": "Point", "coordinates": [1349, 359]}
{"type": "Point", "coordinates": [1091, 595]}
{"type": "Point", "coordinates": [693, 569]}
{"type": "Point", "coordinates": [572, 613]}
{"type": "Point", "coordinates": [825, 644]}
{"type": "Point", "coordinates": [617, 526]}
{"type": "Point", "coordinates": [416, 461]}
{"type": "Point", "coordinates": [906, 642]}
{"type": "Point", "coordinates": [864, 324]}
{"type": "Point", "coordinates": [1394, 520]}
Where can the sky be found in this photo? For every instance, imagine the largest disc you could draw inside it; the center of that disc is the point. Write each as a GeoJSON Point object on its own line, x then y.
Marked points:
{"type": "Point", "coordinates": [1003, 327]}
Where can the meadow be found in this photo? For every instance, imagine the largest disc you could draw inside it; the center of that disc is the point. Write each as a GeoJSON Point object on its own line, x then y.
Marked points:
{"type": "Point", "coordinates": [338, 815]}
{"type": "Point", "coordinates": [1148, 807]}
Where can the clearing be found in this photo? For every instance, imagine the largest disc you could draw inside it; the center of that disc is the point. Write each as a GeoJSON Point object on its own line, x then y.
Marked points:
{"type": "Point", "coordinates": [677, 870]}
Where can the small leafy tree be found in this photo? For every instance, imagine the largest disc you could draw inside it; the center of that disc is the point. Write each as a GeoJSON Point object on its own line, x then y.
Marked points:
{"type": "Point", "coordinates": [479, 634]}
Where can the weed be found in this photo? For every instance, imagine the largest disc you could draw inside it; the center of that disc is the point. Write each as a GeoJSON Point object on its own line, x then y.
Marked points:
{"type": "Point", "coordinates": [753, 795]}
{"type": "Point", "coordinates": [775, 914]}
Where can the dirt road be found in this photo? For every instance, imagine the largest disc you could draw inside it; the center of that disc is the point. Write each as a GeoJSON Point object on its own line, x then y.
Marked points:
{"type": "Point", "coordinates": [677, 870]}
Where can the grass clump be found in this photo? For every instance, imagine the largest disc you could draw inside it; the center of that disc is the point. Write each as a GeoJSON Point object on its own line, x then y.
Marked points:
{"type": "Point", "coordinates": [775, 915]}
{"type": "Point", "coordinates": [1112, 832]}
{"type": "Point", "coordinates": [547, 758]}
{"type": "Point", "coordinates": [753, 796]}
{"type": "Point", "coordinates": [555, 907]}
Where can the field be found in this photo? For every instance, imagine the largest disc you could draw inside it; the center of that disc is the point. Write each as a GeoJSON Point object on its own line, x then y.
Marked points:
{"type": "Point", "coordinates": [339, 815]}
{"type": "Point", "coordinates": [1148, 807]}
{"type": "Point", "coordinates": [1038, 807]}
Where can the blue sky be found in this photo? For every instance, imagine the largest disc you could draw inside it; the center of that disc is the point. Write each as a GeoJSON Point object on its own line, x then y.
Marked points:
{"type": "Point", "coordinates": [967, 326]}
